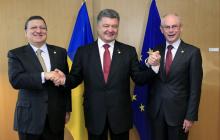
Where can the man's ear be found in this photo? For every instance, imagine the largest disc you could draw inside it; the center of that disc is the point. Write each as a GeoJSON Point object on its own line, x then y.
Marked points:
{"type": "Point", "coordinates": [161, 29]}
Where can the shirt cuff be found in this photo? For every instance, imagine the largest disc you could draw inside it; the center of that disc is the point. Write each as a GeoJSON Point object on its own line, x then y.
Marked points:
{"type": "Point", "coordinates": [42, 78]}
{"type": "Point", "coordinates": [145, 61]}
{"type": "Point", "coordinates": [154, 68]}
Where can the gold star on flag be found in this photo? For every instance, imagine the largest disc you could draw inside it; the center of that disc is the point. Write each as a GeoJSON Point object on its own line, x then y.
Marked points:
{"type": "Point", "coordinates": [142, 107]}
{"type": "Point", "coordinates": [134, 97]}
{"type": "Point", "coordinates": [150, 51]}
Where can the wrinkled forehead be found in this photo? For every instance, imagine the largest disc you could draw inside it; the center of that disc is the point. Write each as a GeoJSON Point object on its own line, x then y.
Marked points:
{"type": "Point", "coordinates": [170, 20]}
{"type": "Point", "coordinates": [108, 20]}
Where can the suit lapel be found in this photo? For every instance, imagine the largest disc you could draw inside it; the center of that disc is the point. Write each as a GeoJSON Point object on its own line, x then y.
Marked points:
{"type": "Point", "coordinates": [52, 54]}
{"type": "Point", "coordinates": [96, 62]}
{"type": "Point", "coordinates": [31, 56]}
{"type": "Point", "coordinates": [178, 57]}
{"type": "Point", "coordinates": [115, 60]}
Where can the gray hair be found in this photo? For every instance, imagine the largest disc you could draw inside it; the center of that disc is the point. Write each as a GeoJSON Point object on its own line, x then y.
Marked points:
{"type": "Point", "coordinates": [171, 14]}
{"type": "Point", "coordinates": [110, 13]}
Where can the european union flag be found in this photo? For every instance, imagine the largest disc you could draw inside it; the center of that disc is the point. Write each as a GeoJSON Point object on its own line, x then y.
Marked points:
{"type": "Point", "coordinates": [153, 37]}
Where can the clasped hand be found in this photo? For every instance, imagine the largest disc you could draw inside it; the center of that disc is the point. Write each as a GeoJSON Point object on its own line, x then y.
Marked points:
{"type": "Point", "coordinates": [57, 76]}
{"type": "Point", "coordinates": [154, 58]}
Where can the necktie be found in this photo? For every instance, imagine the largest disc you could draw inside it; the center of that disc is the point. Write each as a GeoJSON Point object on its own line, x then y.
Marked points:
{"type": "Point", "coordinates": [168, 59]}
{"type": "Point", "coordinates": [106, 62]}
{"type": "Point", "coordinates": [40, 58]}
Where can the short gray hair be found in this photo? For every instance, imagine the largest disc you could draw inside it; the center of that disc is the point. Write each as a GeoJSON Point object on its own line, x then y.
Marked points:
{"type": "Point", "coordinates": [110, 13]}
{"type": "Point", "coordinates": [171, 14]}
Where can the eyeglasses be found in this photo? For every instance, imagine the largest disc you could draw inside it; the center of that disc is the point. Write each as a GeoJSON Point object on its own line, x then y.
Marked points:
{"type": "Point", "coordinates": [173, 27]}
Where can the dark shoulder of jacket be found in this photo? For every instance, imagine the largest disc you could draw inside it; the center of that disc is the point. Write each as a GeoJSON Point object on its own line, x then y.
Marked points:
{"type": "Point", "coordinates": [54, 47]}
{"type": "Point", "coordinates": [88, 46]}
{"type": "Point", "coordinates": [124, 46]}
{"type": "Point", "coordinates": [190, 46]}
{"type": "Point", "coordinates": [18, 49]}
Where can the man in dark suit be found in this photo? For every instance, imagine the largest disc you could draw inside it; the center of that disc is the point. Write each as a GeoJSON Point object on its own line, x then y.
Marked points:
{"type": "Point", "coordinates": [106, 66]}
{"type": "Point", "coordinates": [175, 91]}
{"type": "Point", "coordinates": [42, 108]}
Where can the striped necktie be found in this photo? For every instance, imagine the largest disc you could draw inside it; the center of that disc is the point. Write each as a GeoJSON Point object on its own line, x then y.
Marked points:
{"type": "Point", "coordinates": [41, 60]}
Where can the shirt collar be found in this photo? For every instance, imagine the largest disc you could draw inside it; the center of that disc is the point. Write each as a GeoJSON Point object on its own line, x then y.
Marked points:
{"type": "Point", "coordinates": [175, 44]}
{"type": "Point", "coordinates": [43, 48]}
{"type": "Point", "coordinates": [101, 43]}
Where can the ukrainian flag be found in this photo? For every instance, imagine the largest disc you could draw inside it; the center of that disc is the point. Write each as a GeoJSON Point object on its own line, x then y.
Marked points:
{"type": "Point", "coordinates": [82, 35]}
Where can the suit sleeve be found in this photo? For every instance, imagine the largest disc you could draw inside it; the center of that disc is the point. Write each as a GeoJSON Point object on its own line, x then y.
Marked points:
{"type": "Point", "coordinates": [75, 76]}
{"type": "Point", "coordinates": [68, 94]}
{"type": "Point", "coordinates": [18, 75]}
{"type": "Point", "coordinates": [140, 74]}
{"type": "Point", "coordinates": [195, 81]}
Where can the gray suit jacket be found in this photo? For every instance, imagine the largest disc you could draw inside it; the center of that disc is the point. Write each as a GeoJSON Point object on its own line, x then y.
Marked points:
{"type": "Point", "coordinates": [178, 94]}
{"type": "Point", "coordinates": [36, 100]}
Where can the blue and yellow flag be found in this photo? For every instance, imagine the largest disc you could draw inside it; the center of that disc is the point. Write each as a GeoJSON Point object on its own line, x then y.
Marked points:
{"type": "Point", "coordinates": [153, 37]}
{"type": "Point", "coordinates": [82, 35]}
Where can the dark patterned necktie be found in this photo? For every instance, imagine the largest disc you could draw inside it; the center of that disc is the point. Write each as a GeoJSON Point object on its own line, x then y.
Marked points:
{"type": "Point", "coordinates": [106, 62]}
{"type": "Point", "coordinates": [168, 59]}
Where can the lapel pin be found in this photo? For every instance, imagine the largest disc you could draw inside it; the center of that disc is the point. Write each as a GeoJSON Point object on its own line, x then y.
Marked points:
{"type": "Point", "coordinates": [54, 52]}
{"type": "Point", "coordinates": [119, 52]}
{"type": "Point", "coordinates": [182, 51]}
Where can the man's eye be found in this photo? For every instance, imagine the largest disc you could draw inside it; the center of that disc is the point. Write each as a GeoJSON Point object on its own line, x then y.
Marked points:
{"type": "Point", "coordinates": [43, 28]}
{"type": "Point", "coordinates": [33, 28]}
{"type": "Point", "coordinates": [115, 26]}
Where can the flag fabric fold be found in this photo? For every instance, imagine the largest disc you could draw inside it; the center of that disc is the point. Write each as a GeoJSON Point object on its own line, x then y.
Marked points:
{"type": "Point", "coordinates": [152, 38]}
{"type": "Point", "coordinates": [81, 35]}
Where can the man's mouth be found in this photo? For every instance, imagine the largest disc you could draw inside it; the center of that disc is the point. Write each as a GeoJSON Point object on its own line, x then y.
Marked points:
{"type": "Point", "coordinates": [38, 35]}
{"type": "Point", "coordinates": [171, 36]}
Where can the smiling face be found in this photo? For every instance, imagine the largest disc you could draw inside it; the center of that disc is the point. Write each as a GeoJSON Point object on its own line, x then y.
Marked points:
{"type": "Point", "coordinates": [171, 28]}
{"type": "Point", "coordinates": [107, 29]}
{"type": "Point", "coordinates": [36, 32]}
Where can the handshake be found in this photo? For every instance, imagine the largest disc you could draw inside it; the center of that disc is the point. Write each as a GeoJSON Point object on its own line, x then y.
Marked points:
{"type": "Point", "coordinates": [56, 76]}
{"type": "Point", "coordinates": [154, 58]}
{"type": "Point", "coordinates": [59, 78]}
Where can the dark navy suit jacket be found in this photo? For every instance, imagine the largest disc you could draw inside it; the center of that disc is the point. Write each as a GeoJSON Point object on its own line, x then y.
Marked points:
{"type": "Point", "coordinates": [109, 100]}
{"type": "Point", "coordinates": [36, 100]}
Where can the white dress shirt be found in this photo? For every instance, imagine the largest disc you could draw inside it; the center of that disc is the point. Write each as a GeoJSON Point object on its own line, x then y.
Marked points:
{"type": "Point", "coordinates": [174, 50]}
{"type": "Point", "coordinates": [46, 58]}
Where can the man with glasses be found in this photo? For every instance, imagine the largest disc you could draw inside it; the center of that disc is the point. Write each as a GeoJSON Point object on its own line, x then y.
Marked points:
{"type": "Point", "coordinates": [42, 109]}
{"type": "Point", "coordinates": [175, 92]}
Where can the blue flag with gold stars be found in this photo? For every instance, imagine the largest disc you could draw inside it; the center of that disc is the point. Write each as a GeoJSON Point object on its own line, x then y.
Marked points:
{"type": "Point", "coordinates": [153, 37]}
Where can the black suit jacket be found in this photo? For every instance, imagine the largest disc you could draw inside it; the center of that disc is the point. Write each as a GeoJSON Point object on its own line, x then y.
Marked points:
{"type": "Point", "coordinates": [36, 100]}
{"type": "Point", "coordinates": [178, 94]}
{"type": "Point", "coordinates": [109, 100]}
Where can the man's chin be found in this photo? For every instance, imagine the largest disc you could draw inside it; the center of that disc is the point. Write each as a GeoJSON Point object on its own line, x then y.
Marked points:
{"type": "Point", "coordinates": [109, 40]}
